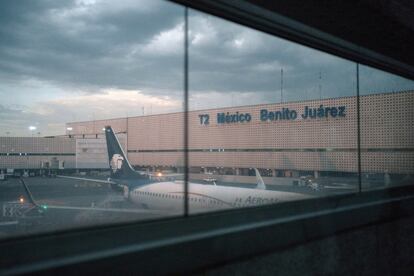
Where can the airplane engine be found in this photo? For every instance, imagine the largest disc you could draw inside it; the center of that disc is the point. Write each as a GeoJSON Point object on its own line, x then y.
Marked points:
{"type": "Point", "coordinates": [115, 187]}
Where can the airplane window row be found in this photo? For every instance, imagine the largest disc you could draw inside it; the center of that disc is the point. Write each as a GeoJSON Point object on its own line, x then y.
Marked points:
{"type": "Point", "coordinates": [162, 195]}
{"type": "Point", "coordinates": [158, 194]}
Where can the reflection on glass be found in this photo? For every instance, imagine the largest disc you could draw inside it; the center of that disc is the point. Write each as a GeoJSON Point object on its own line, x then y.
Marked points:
{"type": "Point", "coordinates": [82, 86]}
{"type": "Point", "coordinates": [92, 117]}
{"type": "Point", "coordinates": [270, 120]}
{"type": "Point", "coordinates": [387, 137]}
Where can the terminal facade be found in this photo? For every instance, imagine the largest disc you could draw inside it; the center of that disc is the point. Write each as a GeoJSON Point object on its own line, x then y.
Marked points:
{"type": "Point", "coordinates": [292, 139]}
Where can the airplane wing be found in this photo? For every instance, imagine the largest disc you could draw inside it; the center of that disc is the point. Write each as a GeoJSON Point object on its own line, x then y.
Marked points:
{"type": "Point", "coordinates": [113, 210]}
{"type": "Point", "coordinates": [43, 206]}
{"type": "Point", "coordinates": [161, 174]}
{"type": "Point", "coordinates": [87, 179]}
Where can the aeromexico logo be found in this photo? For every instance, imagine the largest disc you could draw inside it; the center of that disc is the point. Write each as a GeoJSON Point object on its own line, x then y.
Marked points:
{"type": "Point", "coordinates": [116, 162]}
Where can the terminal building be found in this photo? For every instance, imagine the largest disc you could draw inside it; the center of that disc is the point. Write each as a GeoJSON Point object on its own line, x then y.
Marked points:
{"type": "Point", "coordinates": [284, 140]}
{"type": "Point", "coordinates": [19, 154]}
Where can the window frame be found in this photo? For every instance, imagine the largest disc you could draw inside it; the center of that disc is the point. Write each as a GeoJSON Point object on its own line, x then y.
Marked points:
{"type": "Point", "coordinates": [217, 237]}
{"type": "Point", "coordinates": [143, 246]}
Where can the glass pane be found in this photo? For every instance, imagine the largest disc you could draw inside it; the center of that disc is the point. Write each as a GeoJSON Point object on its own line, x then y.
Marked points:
{"type": "Point", "coordinates": [264, 104]}
{"type": "Point", "coordinates": [67, 71]}
{"type": "Point", "coordinates": [387, 136]}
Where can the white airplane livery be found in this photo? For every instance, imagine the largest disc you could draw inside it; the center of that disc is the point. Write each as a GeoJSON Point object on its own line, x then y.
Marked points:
{"type": "Point", "coordinates": [149, 193]}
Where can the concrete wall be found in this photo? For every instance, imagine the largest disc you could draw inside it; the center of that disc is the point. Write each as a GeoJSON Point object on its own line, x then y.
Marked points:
{"type": "Point", "coordinates": [33, 152]}
{"type": "Point", "coordinates": [320, 144]}
{"type": "Point", "coordinates": [83, 152]}
{"type": "Point", "coordinates": [95, 127]}
{"type": "Point", "coordinates": [381, 249]}
{"type": "Point", "coordinates": [36, 145]}
{"type": "Point", "coordinates": [91, 154]}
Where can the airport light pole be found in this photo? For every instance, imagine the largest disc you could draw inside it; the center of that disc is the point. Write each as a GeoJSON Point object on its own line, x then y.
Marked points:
{"type": "Point", "coordinates": [281, 85]}
{"type": "Point", "coordinates": [69, 129]}
{"type": "Point", "coordinates": [32, 129]}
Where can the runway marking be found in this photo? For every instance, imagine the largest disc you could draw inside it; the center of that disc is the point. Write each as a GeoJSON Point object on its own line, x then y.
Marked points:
{"type": "Point", "coordinates": [7, 223]}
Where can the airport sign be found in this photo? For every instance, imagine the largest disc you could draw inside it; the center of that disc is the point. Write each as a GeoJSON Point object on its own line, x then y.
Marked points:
{"type": "Point", "coordinates": [276, 115]}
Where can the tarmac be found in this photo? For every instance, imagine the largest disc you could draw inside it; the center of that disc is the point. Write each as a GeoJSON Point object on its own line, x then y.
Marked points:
{"type": "Point", "coordinates": [64, 204]}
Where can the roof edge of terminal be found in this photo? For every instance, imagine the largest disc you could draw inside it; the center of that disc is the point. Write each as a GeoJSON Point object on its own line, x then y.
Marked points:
{"type": "Point", "coordinates": [198, 110]}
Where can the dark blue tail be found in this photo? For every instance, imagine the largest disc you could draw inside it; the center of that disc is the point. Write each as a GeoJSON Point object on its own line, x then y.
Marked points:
{"type": "Point", "coordinates": [118, 161]}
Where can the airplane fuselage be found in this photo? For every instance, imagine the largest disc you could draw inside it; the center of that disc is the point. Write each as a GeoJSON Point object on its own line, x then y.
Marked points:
{"type": "Point", "coordinates": [170, 196]}
{"type": "Point", "coordinates": [143, 190]}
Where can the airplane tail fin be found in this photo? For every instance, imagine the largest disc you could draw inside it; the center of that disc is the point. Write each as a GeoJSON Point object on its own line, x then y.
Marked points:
{"type": "Point", "coordinates": [118, 161]}
{"type": "Point", "coordinates": [259, 179]}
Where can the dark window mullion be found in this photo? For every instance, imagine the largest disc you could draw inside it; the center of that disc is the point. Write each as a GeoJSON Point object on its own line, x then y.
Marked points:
{"type": "Point", "coordinates": [186, 134]}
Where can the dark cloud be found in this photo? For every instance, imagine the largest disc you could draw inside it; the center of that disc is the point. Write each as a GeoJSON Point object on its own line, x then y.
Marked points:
{"type": "Point", "coordinates": [90, 47]}
{"type": "Point", "coordinates": [249, 61]}
{"type": "Point", "coordinates": [244, 60]}
{"type": "Point", "coordinates": [87, 45]}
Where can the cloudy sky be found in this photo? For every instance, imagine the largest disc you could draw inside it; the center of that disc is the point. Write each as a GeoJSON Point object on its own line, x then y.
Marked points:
{"type": "Point", "coordinates": [63, 61]}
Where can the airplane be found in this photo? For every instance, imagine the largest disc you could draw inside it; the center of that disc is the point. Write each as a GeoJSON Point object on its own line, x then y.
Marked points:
{"type": "Point", "coordinates": [158, 198]}
{"type": "Point", "coordinates": [148, 193]}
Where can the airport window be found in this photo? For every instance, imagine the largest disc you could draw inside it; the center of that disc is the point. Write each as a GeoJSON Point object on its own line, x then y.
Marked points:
{"type": "Point", "coordinates": [387, 158]}
{"type": "Point", "coordinates": [271, 112]}
{"type": "Point", "coordinates": [99, 64]}
{"type": "Point", "coordinates": [264, 120]}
